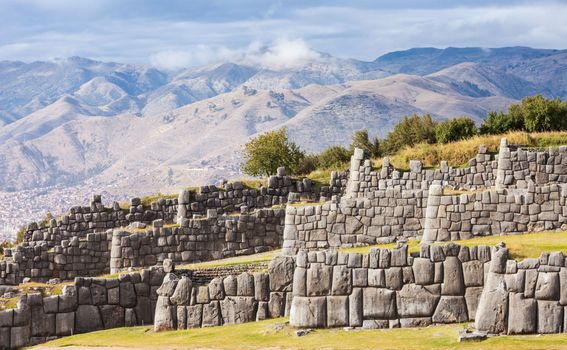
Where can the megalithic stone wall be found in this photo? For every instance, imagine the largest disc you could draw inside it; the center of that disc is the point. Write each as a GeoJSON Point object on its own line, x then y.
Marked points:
{"type": "Point", "coordinates": [247, 297]}
{"type": "Point", "coordinates": [197, 240]}
{"type": "Point", "coordinates": [388, 288]}
{"type": "Point", "coordinates": [88, 305]}
{"type": "Point", "coordinates": [524, 297]}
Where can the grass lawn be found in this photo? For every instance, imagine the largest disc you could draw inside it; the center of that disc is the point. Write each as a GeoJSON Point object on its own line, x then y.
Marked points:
{"type": "Point", "coordinates": [527, 245]}
{"type": "Point", "coordinates": [237, 260]}
{"type": "Point", "coordinates": [274, 334]}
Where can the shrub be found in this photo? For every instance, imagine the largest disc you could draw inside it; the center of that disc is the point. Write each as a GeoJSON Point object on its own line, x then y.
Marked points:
{"type": "Point", "coordinates": [455, 129]}
{"type": "Point", "coordinates": [308, 164]}
{"type": "Point", "coordinates": [541, 114]}
{"type": "Point", "coordinates": [501, 123]}
{"type": "Point", "coordinates": [265, 153]}
{"type": "Point", "coordinates": [409, 132]}
{"type": "Point", "coordinates": [333, 157]}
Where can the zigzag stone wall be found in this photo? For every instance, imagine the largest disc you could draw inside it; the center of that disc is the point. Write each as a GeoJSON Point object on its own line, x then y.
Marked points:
{"type": "Point", "coordinates": [388, 288]}
{"type": "Point", "coordinates": [197, 240]}
{"type": "Point", "coordinates": [524, 297]}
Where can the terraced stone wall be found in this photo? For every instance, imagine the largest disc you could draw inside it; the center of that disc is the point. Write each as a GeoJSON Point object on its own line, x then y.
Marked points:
{"type": "Point", "coordinates": [524, 297]}
{"type": "Point", "coordinates": [233, 299]}
{"type": "Point", "coordinates": [388, 288]}
{"type": "Point", "coordinates": [197, 240]}
{"type": "Point", "coordinates": [87, 305]}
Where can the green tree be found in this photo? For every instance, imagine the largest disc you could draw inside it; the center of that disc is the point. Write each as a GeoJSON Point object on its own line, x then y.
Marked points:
{"type": "Point", "coordinates": [266, 152]}
{"type": "Point", "coordinates": [333, 157]}
{"type": "Point", "coordinates": [541, 114]}
{"type": "Point", "coordinates": [361, 139]}
{"type": "Point", "coordinates": [455, 129]}
{"type": "Point", "coordinates": [501, 123]}
{"type": "Point", "coordinates": [409, 132]}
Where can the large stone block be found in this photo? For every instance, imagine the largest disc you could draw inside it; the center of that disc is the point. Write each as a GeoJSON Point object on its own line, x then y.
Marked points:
{"type": "Point", "coordinates": [88, 319]}
{"type": "Point", "coordinates": [65, 323]}
{"type": "Point", "coordinates": [194, 316]}
{"type": "Point", "coordinates": [492, 311]}
{"type": "Point", "coordinates": [547, 286]}
{"type": "Point", "coordinates": [550, 316]}
{"type": "Point", "coordinates": [299, 282]}
{"type": "Point", "coordinates": [337, 311]}
{"type": "Point", "coordinates": [127, 294]}
{"type": "Point", "coordinates": [229, 284]}
{"type": "Point", "coordinates": [451, 309]}
{"type": "Point", "coordinates": [318, 279]}
{"type": "Point", "coordinates": [276, 304]}
{"type": "Point", "coordinates": [216, 289]}
{"type": "Point", "coordinates": [523, 315]}
{"type": "Point", "coordinates": [473, 273]}
{"type": "Point", "coordinates": [211, 314]}
{"type": "Point", "coordinates": [261, 286]}
{"type": "Point", "coordinates": [112, 316]}
{"type": "Point", "coordinates": [453, 283]}
{"type": "Point", "coordinates": [423, 271]}
{"type": "Point", "coordinates": [472, 297]}
{"type": "Point", "coordinates": [42, 324]}
{"type": "Point", "coordinates": [245, 285]}
{"type": "Point", "coordinates": [308, 312]}
{"type": "Point", "coordinates": [342, 280]}
{"type": "Point", "coordinates": [165, 314]}
{"type": "Point", "coordinates": [19, 337]}
{"type": "Point", "coordinates": [281, 270]}
{"type": "Point", "coordinates": [355, 307]}
{"type": "Point", "coordinates": [416, 301]}
{"type": "Point", "coordinates": [378, 303]}
{"type": "Point", "coordinates": [236, 310]}
{"type": "Point", "coordinates": [182, 293]}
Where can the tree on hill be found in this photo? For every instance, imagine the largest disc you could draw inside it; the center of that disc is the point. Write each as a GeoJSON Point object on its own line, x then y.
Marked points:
{"type": "Point", "coordinates": [266, 152]}
{"type": "Point", "coordinates": [409, 132]}
{"type": "Point", "coordinates": [360, 139]}
{"type": "Point", "coordinates": [455, 129]}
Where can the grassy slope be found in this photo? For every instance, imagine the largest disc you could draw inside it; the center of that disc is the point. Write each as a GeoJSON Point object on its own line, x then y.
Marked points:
{"type": "Point", "coordinates": [265, 334]}
{"type": "Point", "coordinates": [527, 245]}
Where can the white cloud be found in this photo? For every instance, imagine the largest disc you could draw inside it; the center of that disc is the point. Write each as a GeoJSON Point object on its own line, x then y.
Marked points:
{"type": "Point", "coordinates": [281, 54]}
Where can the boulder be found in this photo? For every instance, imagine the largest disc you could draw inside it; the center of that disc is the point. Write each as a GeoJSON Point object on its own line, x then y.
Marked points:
{"type": "Point", "coordinates": [472, 297]}
{"type": "Point", "coordinates": [337, 311]}
{"type": "Point", "coordinates": [236, 310]}
{"type": "Point", "coordinates": [547, 286]}
{"type": "Point", "coordinates": [492, 311]}
{"type": "Point", "coordinates": [423, 271]}
{"type": "Point", "coordinates": [416, 301]}
{"type": "Point", "coordinates": [182, 293]}
{"type": "Point", "coordinates": [342, 280]}
{"type": "Point", "coordinates": [194, 316]}
{"type": "Point", "coordinates": [318, 279]}
{"type": "Point", "coordinates": [165, 314]}
{"type": "Point", "coordinates": [65, 323]}
{"type": "Point", "coordinates": [245, 285]}
{"type": "Point", "coordinates": [216, 289]}
{"type": "Point", "coordinates": [550, 317]}
{"type": "Point", "coordinates": [276, 304]}
{"type": "Point", "coordinates": [112, 316]}
{"type": "Point", "coordinates": [211, 314]}
{"type": "Point", "coordinates": [453, 283]}
{"type": "Point", "coordinates": [88, 319]}
{"type": "Point", "coordinates": [281, 270]}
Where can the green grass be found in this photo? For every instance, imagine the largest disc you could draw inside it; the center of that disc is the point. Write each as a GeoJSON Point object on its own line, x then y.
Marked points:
{"type": "Point", "coordinates": [521, 246]}
{"type": "Point", "coordinates": [275, 334]}
{"type": "Point", "coordinates": [237, 260]}
{"type": "Point", "coordinates": [148, 200]}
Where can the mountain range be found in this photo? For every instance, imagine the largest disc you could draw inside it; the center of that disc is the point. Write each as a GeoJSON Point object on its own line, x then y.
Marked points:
{"type": "Point", "coordinates": [138, 129]}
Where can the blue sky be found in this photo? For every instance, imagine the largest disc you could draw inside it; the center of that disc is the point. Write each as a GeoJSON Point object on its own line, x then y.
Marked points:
{"type": "Point", "coordinates": [173, 33]}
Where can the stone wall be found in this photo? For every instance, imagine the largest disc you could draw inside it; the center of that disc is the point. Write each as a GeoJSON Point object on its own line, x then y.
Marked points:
{"type": "Point", "coordinates": [88, 305]}
{"type": "Point", "coordinates": [388, 288]}
{"type": "Point", "coordinates": [492, 212]}
{"type": "Point", "coordinates": [211, 238]}
{"type": "Point", "coordinates": [230, 300]}
{"type": "Point", "coordinates": [524, 297]}
{"type": "Point", "coordinates": [88, 256]}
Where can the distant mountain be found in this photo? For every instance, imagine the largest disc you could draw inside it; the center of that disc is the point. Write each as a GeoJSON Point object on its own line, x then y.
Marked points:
{"type": "Point", "coordinates": [76, 119]}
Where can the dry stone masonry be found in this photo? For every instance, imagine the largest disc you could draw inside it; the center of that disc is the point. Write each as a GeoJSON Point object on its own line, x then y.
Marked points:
{"type": "Point", "coordinates": [388, 288]}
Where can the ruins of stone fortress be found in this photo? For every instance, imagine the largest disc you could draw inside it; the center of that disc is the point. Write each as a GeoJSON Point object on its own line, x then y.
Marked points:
{"type": "Point", "coordinates": [312, 281]}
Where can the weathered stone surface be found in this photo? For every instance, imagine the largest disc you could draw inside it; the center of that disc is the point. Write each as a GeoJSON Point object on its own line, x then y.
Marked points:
{"type": "Point", "coordinates": [394, 278]}
{"type": "Point", "coordinates": [216, 289]}
{"type": "Point", "coordinates": [127, 294]}
{"type": "Point", "coordinates": [263, 312]}
{"type": "Point", "coordinates": [276, 304]}
{"type": "Point", "coordinates": [375, 324]}
{"type": "Point", "coordinates": [451, 309]}
{"type": "Point", "coordinates": [229, 284]}
{"type": "Point", "coordinates": [453, 283]}
{"type": "Point", "coordinates": [112, 316]}
{"type": "Point", "coordinates": [245, 285]}
{"type": "Point", "coordinates": [492, 308]}
{"type": "Point", "coordinates": [261, 287]}
{"type": "Point", "coordinates": [299, 282]}
{"type": "Point", "coordinates": [165, 314]}
{"type": "Point", "coordinates": [182, 293]}
{"type": "Point", "coordinates": [472, 297]}
{"type": "Point", "coordinates": [65, 323]}
{"type": "Point", "coordinates": [318, 279]}
{"type": "Point", "coordinates": [342, 280]}
{"type": "Point", "coordinates": [308, 312]}
{"type": "Point", "coordinates": [522, 318]}
{"type": "Point", "coordinates": [355, 307]}
{"type": "Point", "coordinates": [211, 314]}
{"type": "Point", "coordinates": [378, 303]}
{"type": "Point", "coordinates": [87, 319]}
{"type": "Point", "coordinates": [473, 273]}
{"type": "Point", "coordinates": [547, 286]}
{"type": "Point", "coordinates": [194, 316]}
{"type": "Point", "coordinates": [337, 311]}
{"type": "Point", "coordinates": [19, 336]}
{"type": "Point", "coordinates": [423, 271]}
{"type": "Point", "coordinates": [236, 310]}
{"type": "Point", "coordinates": [168, 286]}
{"type": "Point", "coordinates": [550, 317]}
{"type": "Point", "coordinates": [416, 301]}
{"type": "Point", "coordinates": [280, 270]}
{"type": "Point", "coordinates": [415, 322]}
{"type": "Point", "coordinates": [563, 286]}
